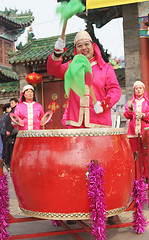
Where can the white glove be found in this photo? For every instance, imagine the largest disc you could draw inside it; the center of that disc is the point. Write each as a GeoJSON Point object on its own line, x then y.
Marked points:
{"type": "Point", "coordinates": [98, 108]}
{"type": "Point", "coordinates": [59, 46]}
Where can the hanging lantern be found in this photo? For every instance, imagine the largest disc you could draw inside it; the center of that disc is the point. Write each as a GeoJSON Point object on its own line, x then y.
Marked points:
{"type": "Point", "coordinates": [33, 78]}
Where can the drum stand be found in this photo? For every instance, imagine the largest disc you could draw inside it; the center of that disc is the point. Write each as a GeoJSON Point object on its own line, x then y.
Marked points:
{"type": "Point", "coordinates": [67, 229]}
{"type": "Point", "coordinates": [83, 227]}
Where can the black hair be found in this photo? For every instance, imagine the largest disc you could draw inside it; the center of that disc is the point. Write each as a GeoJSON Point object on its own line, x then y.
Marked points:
{"type": "Point", "coordinates": [7, 105]}
{"type": "Point", "coordinates": [14, 99]}
{"type": "Point", "coordinates": [23, 98]}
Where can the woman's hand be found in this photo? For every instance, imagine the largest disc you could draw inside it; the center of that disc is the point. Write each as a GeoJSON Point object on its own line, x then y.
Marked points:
{"type": "Point", "coordinates": [130, 105]}
{"type": "Point", "coordinates": [139, 115]}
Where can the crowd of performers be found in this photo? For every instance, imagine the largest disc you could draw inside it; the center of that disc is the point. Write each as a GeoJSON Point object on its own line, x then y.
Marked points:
{"type": "Point", "coordinates": [82, 112]}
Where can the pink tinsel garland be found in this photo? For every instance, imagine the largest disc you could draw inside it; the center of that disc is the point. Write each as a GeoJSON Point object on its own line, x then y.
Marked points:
{"type": "Point", "coordinates": [97, 201]}
{"type": "Point", "coordinates": [56, 223]}
{"type": "Point", "coordinates": [140, 198]}
{"type": "Point", "coordinates": [4, 210]}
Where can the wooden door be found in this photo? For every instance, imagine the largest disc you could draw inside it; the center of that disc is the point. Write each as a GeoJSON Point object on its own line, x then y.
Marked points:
{"type": "Point", "coordinates": [54, 98]}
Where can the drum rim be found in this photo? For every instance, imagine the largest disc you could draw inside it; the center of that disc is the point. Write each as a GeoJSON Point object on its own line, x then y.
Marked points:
{"type": "Point", "coordinates": [70, 216]}
{"type": "Point", "coordinates": [72, 132]}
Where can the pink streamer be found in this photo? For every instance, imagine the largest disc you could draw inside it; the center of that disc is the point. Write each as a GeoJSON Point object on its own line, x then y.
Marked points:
{"type": "Point", "coordinates": [97, 201]}
{"type": "Point", "coordinates": [140, 198]}
{"type": "Point", "coordinates": [4, 210]}
{"type": "Point", "coordinates": [56, 223]}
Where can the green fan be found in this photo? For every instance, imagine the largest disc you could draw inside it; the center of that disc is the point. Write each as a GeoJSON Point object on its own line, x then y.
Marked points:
{"type": "Point", "coordinates": [67, 10]}
{"type": "Point", "coordinates": [77, 75]}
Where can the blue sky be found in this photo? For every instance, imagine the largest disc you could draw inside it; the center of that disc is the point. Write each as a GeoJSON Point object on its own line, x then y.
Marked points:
{"type": "Point", "coordinates": [47, 24]}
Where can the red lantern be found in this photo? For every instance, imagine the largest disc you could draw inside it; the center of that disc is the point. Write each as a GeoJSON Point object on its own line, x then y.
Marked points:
{"type": "Point", "coordinates": [33, 78]}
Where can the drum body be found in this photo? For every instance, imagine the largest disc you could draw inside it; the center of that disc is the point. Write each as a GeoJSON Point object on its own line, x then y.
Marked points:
{"type": "Point", "coordinates": [49, 171]}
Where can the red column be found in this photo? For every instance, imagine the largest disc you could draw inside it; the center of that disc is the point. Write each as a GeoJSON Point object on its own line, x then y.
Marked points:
{"type": "Point", "coordinates": [144, 47]}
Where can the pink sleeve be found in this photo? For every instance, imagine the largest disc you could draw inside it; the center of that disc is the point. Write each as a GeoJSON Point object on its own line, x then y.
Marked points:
{"type": "Point", "coordinates": [127, 113]}
{"type": "Point", "coordinates": [146, 111]}
{"type": "Point", "coordinates": [41, 112]}
{"type": "Point", "coordinates": [63, 121]}
{"type": "Point", "coordinates": [16, 111]}
{"type": "Point", "coordinates": [113, 90]}
{"type": "Point", "coordinates": [146, 118]}
{"type": "Point", "coordinates": [56, 68]}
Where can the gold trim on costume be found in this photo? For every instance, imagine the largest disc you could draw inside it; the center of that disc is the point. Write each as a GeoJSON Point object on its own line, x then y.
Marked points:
{"type": "Point", "coordinates": [84, 113]}
{"type": "Point", "coordinates": [138, 110]}
{"type": "Point", "coordinates": [132, 136]}
{"type": "Point", "coordinates": [30, 114]}
{"type": "Point", "coordinates": [93, 63]}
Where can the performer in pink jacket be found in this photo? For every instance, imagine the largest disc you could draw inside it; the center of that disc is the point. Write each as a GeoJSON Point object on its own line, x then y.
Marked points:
{"type": "Point", "coordinates": [81, 112]}
{"type": "Point", "coordinates": [29, 110]}
{"type": "Point", "coordinates": [137, 111]}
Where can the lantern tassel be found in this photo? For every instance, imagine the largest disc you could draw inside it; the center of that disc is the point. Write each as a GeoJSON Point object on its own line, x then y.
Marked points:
{"type": "Point", "coordinates": [97, 201]}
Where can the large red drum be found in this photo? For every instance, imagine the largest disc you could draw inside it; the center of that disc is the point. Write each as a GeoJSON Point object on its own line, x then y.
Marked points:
{"type": "Point", "coordinates": [49, 171]}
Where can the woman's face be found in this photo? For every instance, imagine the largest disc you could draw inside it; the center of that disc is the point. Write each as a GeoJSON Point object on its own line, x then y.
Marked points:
{"type": "Point", "coordinates": [29, 94]}
{"type": "Point", "coordinates": [85, 47]}
{"type": "Point", "coordinates": [139, 91]}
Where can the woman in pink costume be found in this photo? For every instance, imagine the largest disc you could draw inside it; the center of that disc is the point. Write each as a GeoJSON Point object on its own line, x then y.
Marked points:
{"type": "Point", "coordinates": [81, 112]}
{"type": "Point", "coordinates": [29, 110]}
{"type": "Point", "coordinates": [137, 111]}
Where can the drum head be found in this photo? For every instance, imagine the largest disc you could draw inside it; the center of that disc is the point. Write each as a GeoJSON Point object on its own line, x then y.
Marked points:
{"type": "Point", "coordinates": [17, 120]}
{"type": "Point", "coordinates": [46, 118]}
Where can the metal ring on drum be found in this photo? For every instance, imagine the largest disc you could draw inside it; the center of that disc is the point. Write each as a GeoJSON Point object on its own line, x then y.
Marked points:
{"type": "Point", "coordinates": [49, 171]}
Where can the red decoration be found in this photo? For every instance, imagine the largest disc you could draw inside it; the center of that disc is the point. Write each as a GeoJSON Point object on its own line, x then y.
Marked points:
{"type": "Point", "coordinates": [33, 78]}
{"type": "Point", "coordinates": [65, 104]}
{"type": "Point", "coordinates": [53, 106]}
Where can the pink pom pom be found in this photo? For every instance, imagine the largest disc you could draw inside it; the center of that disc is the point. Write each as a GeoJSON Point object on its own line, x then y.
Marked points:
{"type": "Point", "coordinates": [97, 201]}
{"type": "Point", "coordinates": [140, 198]}
{"type": "Point", "coordinates": [4, 210]}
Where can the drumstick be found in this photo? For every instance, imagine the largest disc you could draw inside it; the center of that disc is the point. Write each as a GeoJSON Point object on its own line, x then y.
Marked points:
{"type": "Point", "coordinates": [92, 95]}
{"type": "Point", "coordinates": [64, 30]}
{"type": "Point", "coordinates": [89, 82]}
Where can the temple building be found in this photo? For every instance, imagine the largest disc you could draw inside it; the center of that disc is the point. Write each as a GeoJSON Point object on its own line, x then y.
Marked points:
{"type": "Point", "coordinates": [12, 25]}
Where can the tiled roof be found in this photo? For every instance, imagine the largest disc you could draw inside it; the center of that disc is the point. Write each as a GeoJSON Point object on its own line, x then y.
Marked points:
{"type": "Point", "coordinates": [11, 18]}
{"type": "Point", "coordinates": [9, 87]}
{"type": "Point", "coordinates": [39, 49]}
{"type": "Point", "coordinates": [7, 72]}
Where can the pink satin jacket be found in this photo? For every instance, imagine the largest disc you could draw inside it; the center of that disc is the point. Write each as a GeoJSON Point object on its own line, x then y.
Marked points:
{"type": "Point", "coordinates": [30, 113]}
{"type": "Point", "coordinates": [144, 108]}
{"type": "Point", "coordinates": [80, 111]}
